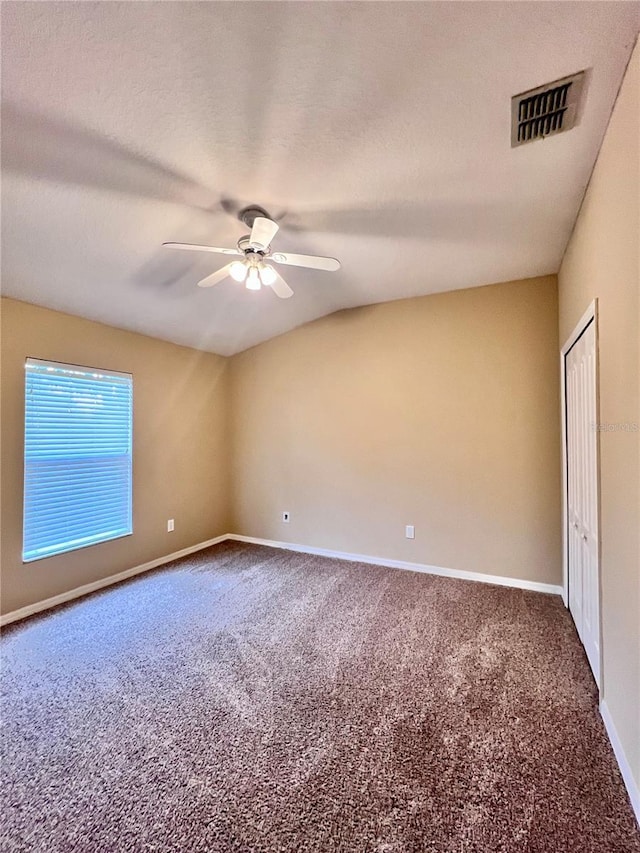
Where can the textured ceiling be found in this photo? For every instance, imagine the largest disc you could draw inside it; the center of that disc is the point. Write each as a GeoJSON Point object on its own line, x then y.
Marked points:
{"type": "Point", "coordinates": [377, 133]}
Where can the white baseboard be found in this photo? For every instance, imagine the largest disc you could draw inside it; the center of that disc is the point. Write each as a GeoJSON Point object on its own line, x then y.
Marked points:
{"type": "Point", "coordinates": [402, 564]}
{"type": "Point", "coordinates": [625, 769]}
{"type": "Point", "coordinates": [79, 591]}
{"type": "Point", "coordinates": [85, 589]}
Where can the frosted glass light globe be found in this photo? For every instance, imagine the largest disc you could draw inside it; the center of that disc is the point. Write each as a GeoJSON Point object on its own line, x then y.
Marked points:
{"type": "Point", "coordinates": [238, 271]}
{"type": "Point", "coordinates": [267, 274]}
{"type": "Point", "coordinates": [253, 279]}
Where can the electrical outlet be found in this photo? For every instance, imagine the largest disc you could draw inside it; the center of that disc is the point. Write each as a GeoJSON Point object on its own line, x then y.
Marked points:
{"type": "Point", "coordinates": [170, 525]}
{"type": "Point", "coordinates": [410, 531]}
{"type": "Point", "coordinates": [286, 517]}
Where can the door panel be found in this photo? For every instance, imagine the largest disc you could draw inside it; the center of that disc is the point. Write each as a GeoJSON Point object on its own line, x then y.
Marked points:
{"type": "Point", "coordinates": [582, 496]}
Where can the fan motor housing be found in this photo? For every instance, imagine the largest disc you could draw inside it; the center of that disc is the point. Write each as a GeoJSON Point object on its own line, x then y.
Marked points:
{"type": "Point", "coordinates": [244, 245]}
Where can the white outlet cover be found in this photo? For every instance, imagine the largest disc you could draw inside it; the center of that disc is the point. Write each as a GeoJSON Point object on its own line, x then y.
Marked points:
{"type": "Point", "coordinates": [410, 531]}
{"type": "Point", "coordinates": [170, 525]}
{"type": "Point", "coordinates": [286, 517]}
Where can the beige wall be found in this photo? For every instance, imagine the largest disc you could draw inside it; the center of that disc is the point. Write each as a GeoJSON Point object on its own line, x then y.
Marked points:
{"type": "Point", "coordinates": [181, 464]}
{"type": "Point", "coordinates": [440, 411]}
{"type": "Point", "coordinates": [603, 261]}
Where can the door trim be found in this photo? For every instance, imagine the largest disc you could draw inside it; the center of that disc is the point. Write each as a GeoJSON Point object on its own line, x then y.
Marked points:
{"type": "Point", "coordinates": [589, 316]}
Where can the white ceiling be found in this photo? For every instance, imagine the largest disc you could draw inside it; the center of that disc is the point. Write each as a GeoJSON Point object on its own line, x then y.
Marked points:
{"type": "Point", "coordinates": [377, 133]}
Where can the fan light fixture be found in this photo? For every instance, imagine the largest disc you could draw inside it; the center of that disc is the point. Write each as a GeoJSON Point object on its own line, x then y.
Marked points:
{"type": "Point", "coordinates": [254, 274]}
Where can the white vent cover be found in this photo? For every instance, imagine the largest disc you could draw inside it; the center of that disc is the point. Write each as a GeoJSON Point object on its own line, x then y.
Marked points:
{"type": "Point", "coordinates": [545, 111]}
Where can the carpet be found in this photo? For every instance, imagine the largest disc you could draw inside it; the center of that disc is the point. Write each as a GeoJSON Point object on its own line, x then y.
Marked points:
{"type": "Point", "coordinates": [251, 699]}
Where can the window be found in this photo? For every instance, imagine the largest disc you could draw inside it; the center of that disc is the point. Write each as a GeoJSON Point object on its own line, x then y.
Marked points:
{"type": "Point", "coordinates": [77, 458]}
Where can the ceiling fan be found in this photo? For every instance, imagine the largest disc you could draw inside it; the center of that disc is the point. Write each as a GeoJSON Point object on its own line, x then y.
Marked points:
{"type": "Point", "coordinates": [255, 250]}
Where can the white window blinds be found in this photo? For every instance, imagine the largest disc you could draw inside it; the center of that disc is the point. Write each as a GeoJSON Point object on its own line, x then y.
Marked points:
{"type": "Point", "coordinates": [77, 459]}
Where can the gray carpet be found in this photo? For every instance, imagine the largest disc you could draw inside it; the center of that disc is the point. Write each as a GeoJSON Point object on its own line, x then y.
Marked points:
{"type": "Point", "coordinates": [248, 699]}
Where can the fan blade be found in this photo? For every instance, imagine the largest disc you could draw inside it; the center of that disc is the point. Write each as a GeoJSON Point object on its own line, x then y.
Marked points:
{"type": "Point", "coordinates": [263, 232]}
{"type": "Point", "coordinates": [312, 262]}
{"type": "Point", "coordinates": [215, 277]}
{"type": "Point", "coordinates": [192, 247]}
{"type": "Point", "coordinates": [281, 288]}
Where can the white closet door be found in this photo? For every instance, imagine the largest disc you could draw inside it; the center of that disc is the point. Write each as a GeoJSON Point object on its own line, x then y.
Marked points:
{"type": "Point", "coordinates": [582, 503]}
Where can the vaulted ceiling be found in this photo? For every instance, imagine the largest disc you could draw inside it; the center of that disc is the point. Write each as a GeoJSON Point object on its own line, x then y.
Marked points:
{"type": "Point", "coordinates": [378, 133]}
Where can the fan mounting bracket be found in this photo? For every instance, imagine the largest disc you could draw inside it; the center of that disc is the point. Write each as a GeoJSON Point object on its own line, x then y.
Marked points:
{"type": "Point", "coordinates": [248, 215]}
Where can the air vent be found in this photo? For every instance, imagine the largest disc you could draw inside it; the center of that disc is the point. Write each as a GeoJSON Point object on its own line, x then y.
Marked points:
{"type": "Point", "coordinates": [545, 111]}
